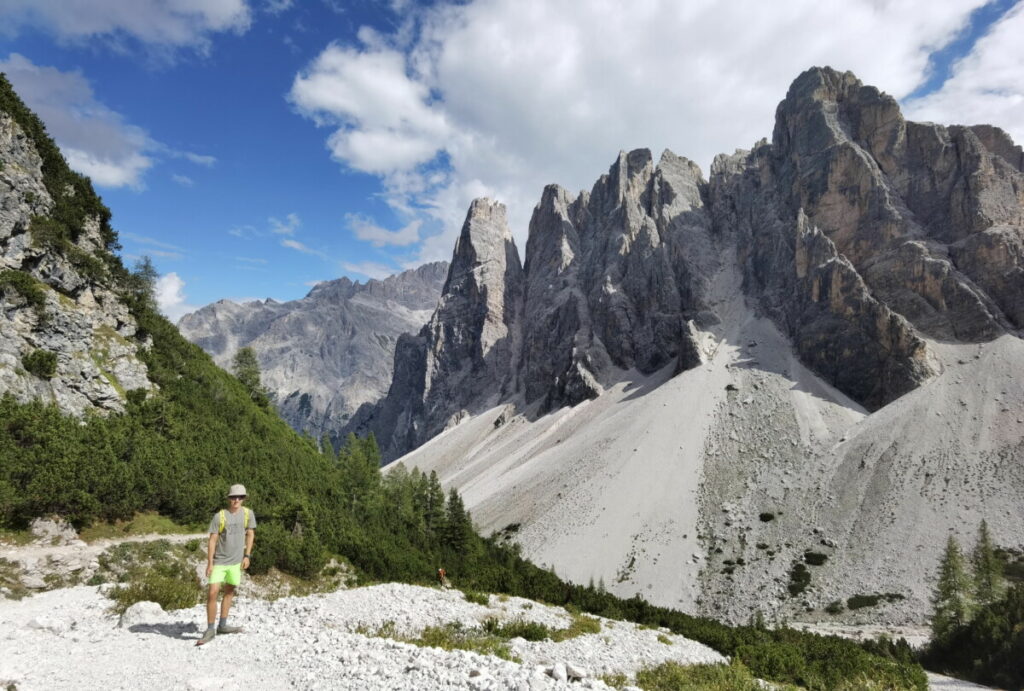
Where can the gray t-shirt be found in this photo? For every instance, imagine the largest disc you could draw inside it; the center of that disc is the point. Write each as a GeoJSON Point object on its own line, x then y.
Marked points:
{"type": "Point", "coordinates": [231, 543]}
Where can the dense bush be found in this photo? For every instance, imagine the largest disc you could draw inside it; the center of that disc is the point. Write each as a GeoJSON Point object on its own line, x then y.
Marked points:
{"type": "Point", "coordinates": [41, 363]}
{"type": "Point", "coordinates": [29, 288]}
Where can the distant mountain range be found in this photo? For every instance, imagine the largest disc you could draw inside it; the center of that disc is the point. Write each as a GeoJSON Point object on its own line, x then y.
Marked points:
{"type": "Point", "coordinates": [323, 356]}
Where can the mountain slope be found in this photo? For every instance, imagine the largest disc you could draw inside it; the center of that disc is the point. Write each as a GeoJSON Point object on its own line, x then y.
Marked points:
{"type": "Point", "coordinates": [838, 309]}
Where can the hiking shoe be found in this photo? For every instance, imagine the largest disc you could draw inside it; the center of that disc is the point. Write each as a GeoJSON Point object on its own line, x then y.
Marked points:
{"type": "Point", "coordinates": [207, 637]}
{"type": "Point", "coordinates": [229, 629]}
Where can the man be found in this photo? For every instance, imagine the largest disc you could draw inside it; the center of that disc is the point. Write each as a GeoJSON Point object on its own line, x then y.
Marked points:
{"type": "Point", "coordinates": [227, 554]}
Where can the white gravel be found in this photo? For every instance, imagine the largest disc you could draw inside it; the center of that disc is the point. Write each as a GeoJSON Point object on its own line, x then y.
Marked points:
{"type": "Point", "coordinates": [67, 639]}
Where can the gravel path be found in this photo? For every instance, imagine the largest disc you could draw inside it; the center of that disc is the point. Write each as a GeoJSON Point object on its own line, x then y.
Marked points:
{"type": "Point", "coordinates": [67, 639]}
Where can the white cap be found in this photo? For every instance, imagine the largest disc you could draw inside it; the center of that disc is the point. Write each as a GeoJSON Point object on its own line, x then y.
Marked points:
{"type": "Point", "coordinates": [237, 491]}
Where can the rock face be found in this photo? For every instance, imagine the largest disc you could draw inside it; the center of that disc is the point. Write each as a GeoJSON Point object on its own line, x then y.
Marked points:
{"type": "Point", "coordinates": [467, 354]}
{"type": "Point", "coordinates": [612, 281]}
{"type": "Point", "coordinates": [50, 305]}
{"type": "Point", "coordinates": [324, 356]}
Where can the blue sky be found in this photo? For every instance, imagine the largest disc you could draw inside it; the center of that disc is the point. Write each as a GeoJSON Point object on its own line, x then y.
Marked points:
{"type": "Point", "coordinates": [254, 147]}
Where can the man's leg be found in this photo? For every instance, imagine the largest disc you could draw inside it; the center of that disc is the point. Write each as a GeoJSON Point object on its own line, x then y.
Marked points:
{"type": "Point", "coordinates": [211, 614]}
{"type": "Point", "coordinates": [225, 604]}
{"type": "Point", "coordinates": [211, 602]}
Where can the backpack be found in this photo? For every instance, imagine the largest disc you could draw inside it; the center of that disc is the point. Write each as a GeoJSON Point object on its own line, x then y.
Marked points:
{"type": "Point", "coordinates": [223, 519]}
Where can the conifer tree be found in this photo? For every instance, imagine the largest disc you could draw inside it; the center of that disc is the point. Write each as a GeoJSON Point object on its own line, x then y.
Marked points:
{"type": "Point", "coordinates": [988, 570]}
{"type": "Point", "coordinates": [246, 368]}
{"type": "Point", "coordinates": [433, 514]}
{"type": "Point", "coordinates": [457, 526]}
{"type": "Point", "coordinates": [952, 597]}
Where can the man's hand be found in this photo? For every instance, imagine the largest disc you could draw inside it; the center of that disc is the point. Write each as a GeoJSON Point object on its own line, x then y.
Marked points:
{"type": "Point", "coordinates": [245, 563]}
{"type": "Point", "coordinates": [209, 569]}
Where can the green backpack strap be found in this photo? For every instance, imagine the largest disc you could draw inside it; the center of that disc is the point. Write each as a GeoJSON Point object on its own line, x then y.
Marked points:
{"type": "Point", "coordinates": [245, 520]}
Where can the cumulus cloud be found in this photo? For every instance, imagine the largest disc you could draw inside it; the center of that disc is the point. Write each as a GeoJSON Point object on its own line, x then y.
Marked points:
{"type": "Point", "coordinates": [986, 86]}
{"type": "Point", "coordinates": [501, 97]}
{"type": "Point", "coordinates": [171, 298]}
{"type": "Point", "coordinates": [158, 23]}
{"type": "Point", "coordinates": [365, 229]}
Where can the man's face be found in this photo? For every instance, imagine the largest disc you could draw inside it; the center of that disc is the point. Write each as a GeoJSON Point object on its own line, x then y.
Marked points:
{"type": "Point", "coordinates": [235, 500]}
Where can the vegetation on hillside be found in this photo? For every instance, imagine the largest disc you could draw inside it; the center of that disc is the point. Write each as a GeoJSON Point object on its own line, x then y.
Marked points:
{"type": "Point", "coordinates": [978, 624]}
{"type": "Point", "coordinates": [176, 449]}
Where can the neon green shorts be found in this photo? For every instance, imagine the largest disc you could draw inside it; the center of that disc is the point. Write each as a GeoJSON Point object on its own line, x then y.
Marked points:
{"type": "Point", "coordinates": [226, 573]}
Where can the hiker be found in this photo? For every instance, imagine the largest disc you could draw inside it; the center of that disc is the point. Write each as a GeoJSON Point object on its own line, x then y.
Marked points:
{"type": "Point", "coordinates": [442, 579]}
{"type": "Point", "coordinates": [232, 532]}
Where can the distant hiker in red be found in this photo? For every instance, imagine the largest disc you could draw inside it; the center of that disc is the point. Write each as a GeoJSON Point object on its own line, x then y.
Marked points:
{"type": "Point", "coordinates": [442, 579]}
{"type": "Point", "coordinates": [228, 552]}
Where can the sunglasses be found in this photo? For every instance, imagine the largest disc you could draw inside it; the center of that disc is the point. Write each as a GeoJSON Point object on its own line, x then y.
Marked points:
{"type": "Point", "coordinates": [238, 497]}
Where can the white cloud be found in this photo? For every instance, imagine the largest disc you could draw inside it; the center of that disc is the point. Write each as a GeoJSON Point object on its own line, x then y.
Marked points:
{"type": "Point", "coordinates": [296, 245]}
{"type": "Point", "coordinates": [183, 180]}
{"type": "Point", "coordinates": [277, 6]}
{"type": "Point", "coordinates": [251, 260]}
{"type": "Point", "coordinates": [288, 226]}
{"type": "Point", "coordinates": [156, 23]}
{"type": "Point", "coordinates": [510, 95]}
{"type": "Point", "coordinates": [385, 121]}
{"type": "Point", "coordinates": [987, 85]}
{"type": "Point", "coordinates": [171, 298]}
{"type": "Point", "coordinates": [368, 269]}
{"type": "Point", "coordinates": [365, 229]}
{"type": "Point", "coordinates": [142, 239]}
{"type": "Point", "coordinates": [95, 140]}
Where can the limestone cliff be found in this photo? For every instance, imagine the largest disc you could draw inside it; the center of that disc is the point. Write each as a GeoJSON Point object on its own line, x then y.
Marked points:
{"type": "Point", "coordinates": [66, 335]}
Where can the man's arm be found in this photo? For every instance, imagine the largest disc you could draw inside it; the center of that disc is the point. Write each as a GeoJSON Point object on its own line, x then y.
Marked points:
{"type": "Point", "coordinates": [250, 536]}
{"type": "Point", "coordinates": [211, 547]}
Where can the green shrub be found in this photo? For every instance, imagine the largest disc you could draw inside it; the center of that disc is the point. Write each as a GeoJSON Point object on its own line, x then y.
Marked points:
{"type": "Point", "coordinates": [477, 597]}
{"type": "Point", "coordinates": [815, 558]}
{"type": "Point", "coordinates": [581, 624]}
{"type": "Point", "coordinates": [454, 636]}
{"type": "Point", "coordinates": [862, 601]}
{"type": "Point", "coordinates": [517, 628]}
{"type": "Point", "coordinates": [835, 607]}
{"type": "Point", "coordinates": [799, 579]}
{"type": "Point", "coordinates": [170, 592]}
{"type": "Point", "coordinates": [41, 363]}
{"type": "Point", "coordinates": [766, 517]}
{"type": "Point", "coordinates": [28, 287]}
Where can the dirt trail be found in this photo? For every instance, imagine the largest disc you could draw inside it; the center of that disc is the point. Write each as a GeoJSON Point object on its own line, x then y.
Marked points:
{"type": "Point", "coordinates": [79, 550]}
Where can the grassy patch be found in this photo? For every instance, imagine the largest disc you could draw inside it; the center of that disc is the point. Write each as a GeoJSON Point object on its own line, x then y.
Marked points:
{"type": "Point", "coordinates": [581, 625]}
{"type": "Point", "coordinates": [672, 676]}
{"type": "Point", "coordinates": [10, 578]}
{"type": "Point", "coordinates": [616, 681]}
{"type": "Point", "coordinates": [662, 638]}
{"type": "Point", "coordinates": [477, 597]}
{"type": "Point", "coordinates": [517, 628]}
{"type": "Point", "coordinates": [148, 523]}
{"type": "Point", "coordinates": [15, 537]}
{"type": "Point", "coordinates": [454, 636]}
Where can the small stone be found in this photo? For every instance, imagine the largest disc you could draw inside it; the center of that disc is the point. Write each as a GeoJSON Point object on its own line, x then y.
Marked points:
{"type": "Point", "coordinates": [558, 672]}
{"type": "Point", "coordinates": [575, 672]}
{"type": "Point", "coordinates": [144, 613]}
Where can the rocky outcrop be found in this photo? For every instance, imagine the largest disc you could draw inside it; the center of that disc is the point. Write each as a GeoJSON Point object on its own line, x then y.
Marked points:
{"type": "Point", "coordinates": [327, 354]}
{"type": "Point", "coordinates": [467, 355]}
{"type": "Point", "coordinates": [52, 310]}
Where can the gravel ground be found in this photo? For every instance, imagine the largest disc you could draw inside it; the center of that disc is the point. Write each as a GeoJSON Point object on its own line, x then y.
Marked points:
{"type": "Point", "coordinates": [67, 639]}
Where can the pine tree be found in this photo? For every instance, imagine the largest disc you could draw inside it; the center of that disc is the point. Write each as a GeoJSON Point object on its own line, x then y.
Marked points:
{"type": "Point", "coordinates": [952, 596]}
{"type": "Point", "coordinates": [246, 368]}
{"type": "Point", "coordinates": [458, 528]}
{"type": "Point", "coordinates": [433, 513]}
{"type": "Point", "coordinates": [988, 570]}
